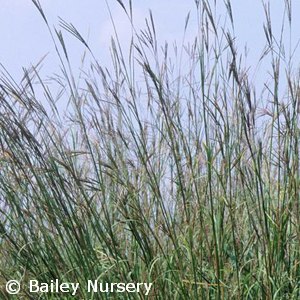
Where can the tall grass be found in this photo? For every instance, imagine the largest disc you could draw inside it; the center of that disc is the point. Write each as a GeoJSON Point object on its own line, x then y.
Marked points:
{"type": "Point", "coordinates": [172, 168]}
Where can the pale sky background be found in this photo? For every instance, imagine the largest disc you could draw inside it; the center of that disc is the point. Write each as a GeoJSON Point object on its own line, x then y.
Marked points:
{"type": "Point", "coordinates": [25, 38]}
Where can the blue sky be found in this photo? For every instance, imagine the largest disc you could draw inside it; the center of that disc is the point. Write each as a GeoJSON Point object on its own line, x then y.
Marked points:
{"type": "Point", "coordinates": [25, 39]}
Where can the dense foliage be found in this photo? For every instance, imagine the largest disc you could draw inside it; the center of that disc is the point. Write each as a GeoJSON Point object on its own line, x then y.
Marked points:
{"type": "Point", "coordinates": [172, 168]}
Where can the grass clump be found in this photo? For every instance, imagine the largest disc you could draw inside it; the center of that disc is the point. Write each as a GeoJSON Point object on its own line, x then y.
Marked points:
{"type": "Point", "coordinates": [180, 174]}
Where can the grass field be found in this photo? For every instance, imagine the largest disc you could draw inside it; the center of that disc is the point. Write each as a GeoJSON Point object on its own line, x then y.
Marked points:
{"type": "Point", "coordinates": [172, 168]}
